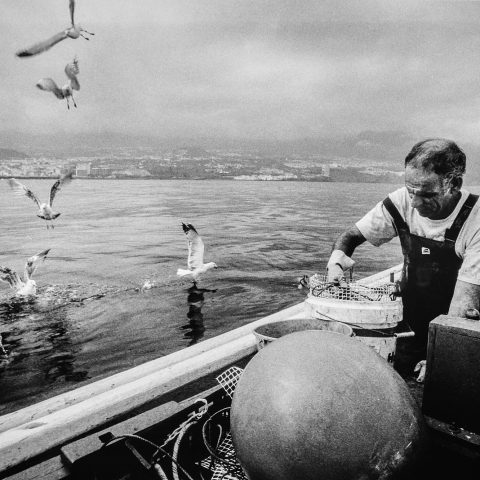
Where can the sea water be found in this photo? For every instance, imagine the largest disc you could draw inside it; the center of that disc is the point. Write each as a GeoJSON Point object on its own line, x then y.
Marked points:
{"type": "Point", "coordinates": [92, 318]}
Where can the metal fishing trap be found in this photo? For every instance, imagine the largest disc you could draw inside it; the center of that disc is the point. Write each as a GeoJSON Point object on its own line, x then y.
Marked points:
{"type": "Point", "coordinates": [216, 435]}
{"type": "Point", "coordinates": [218, 441]}
{"type": "Point", "coordinates": [351, 290]}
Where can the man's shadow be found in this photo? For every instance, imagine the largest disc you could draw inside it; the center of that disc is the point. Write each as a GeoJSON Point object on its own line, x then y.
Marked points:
{"type": "Point", "coordinates": [195, 327]}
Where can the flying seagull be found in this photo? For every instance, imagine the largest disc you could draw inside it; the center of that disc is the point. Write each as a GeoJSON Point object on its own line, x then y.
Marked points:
{"type": "Point", "coordinates": [44, 209]}
{"type": "Point", "coordinates": [27, 286]}
{"type": "Point", "coordinates": [66, 92]}
{"type": "Point", "coordinates": [74, 31]}
{"type": "Point", "coordinates": [195, 264]}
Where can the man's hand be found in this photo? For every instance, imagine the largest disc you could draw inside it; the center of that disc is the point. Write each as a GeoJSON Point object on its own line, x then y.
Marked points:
{"type": "Point", "coordinates": [336, 266]}
{"type": "Point", "coordinates": [420, 368]}
{"type": "Point", "coordinates": [335, 274]}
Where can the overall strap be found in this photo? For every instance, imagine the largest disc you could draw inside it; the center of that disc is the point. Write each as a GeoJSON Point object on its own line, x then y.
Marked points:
{"type": "Point", "coordinates": [398, 221]}
{"type": "Point", "coordinates": [452, 233]}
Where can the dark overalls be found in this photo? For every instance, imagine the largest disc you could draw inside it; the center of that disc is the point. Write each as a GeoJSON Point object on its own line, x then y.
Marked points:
{"type": "Point", "coordinates": [430, 271]}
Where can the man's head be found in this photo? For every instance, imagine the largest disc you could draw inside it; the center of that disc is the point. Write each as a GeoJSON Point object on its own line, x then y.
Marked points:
{"type": "Point", "coordinates": [433, 177]}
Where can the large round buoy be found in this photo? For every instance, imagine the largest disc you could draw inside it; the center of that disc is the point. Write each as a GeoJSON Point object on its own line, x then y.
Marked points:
{"type": "Point", "coordinates": [319, 405]}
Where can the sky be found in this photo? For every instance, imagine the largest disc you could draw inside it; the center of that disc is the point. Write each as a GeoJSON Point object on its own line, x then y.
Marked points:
{"type": "Point", "coordinates": [273, 70]}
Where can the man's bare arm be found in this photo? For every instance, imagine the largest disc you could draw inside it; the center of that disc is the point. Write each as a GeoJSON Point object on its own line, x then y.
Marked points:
{"type": "Point", "coordinates": [465, 296]}
{"type": "Point", "coordinates": [349, 240]}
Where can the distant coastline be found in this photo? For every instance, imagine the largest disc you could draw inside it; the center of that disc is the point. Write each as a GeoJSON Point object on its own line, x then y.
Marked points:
{"type": "Point", "coordinates": [5, 177]}
{"type": "Point", "coordinates": [198, 164]}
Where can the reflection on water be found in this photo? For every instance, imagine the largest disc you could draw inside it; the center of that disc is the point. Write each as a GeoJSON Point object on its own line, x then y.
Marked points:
{"type": "Point", "coordinates": [195, 301]}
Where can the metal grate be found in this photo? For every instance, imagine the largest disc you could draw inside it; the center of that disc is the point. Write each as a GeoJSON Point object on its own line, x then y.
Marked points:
{"type": "Point", "coordinates": [221, 470]}
{"type": "Point", "coordinates": [218, 441]}
{"type": "Point", "coordinates": [229, 379]}
{"type": "Point", "coordinates": [216, 435]}
{"type": "Point", "coordinates": [352, 291]}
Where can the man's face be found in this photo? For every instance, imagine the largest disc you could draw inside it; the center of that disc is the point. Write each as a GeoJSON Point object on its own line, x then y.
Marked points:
{"type": "Point", "coordinates": [431, 195]}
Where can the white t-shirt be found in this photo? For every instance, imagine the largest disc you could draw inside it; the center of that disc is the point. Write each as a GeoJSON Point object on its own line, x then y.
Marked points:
{"type": "Point", "coordinates": [377, 227]}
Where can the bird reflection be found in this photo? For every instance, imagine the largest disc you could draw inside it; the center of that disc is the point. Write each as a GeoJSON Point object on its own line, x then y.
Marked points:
{"type": "Point", "coordinates": [195, 301]}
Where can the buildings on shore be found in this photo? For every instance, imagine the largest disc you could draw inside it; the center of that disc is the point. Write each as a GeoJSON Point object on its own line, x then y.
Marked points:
{"type": "Point", "coordinates": [199, 164]}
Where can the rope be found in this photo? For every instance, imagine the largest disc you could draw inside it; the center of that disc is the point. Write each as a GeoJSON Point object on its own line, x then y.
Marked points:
{"type": "Point", "coordinates": [176, 448]}
{"type": "Point", "coordinates": [154, 445]}
{"type": "Point", "coordinates": [232, 463]}
{"type": "Point", "coordinates": [159, 471]}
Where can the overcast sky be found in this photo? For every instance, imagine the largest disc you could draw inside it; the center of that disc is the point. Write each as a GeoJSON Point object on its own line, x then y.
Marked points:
{"type": "Point", "coordinates": [247, 69]}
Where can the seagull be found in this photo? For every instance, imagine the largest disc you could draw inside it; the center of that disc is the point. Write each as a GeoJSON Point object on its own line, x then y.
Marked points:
{"type": "Point", "coordinates": [195, 264]}
{"type": "Point", "coordinates": [44, 209]}
{"type": "Point", "coordinates": [66, 92]}
{"type": "Point", "coordinates": [74, 31]}
{"type": "Point", "coordinates": [27, 286]}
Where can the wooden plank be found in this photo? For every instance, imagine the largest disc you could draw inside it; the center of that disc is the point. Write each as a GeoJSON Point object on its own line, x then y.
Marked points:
{"type": "Point", "coordinates": [80, 394]}
{"type": "Point", "coordinates": [143, 422]}
{"type": "Point", "coordinates": [28, 440]}
{"type": "Point", "coordinates": [52, 469]}
{"type": "Point", "coordinates": [457, 325]}
{"type": "Point", "coordinates": [77, 450]}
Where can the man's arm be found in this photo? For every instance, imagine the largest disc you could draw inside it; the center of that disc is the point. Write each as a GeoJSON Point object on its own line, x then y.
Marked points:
{"type": "Point", "coordinates": [349, 240]}
{"type": "Point", "coordinates": [465, 296]}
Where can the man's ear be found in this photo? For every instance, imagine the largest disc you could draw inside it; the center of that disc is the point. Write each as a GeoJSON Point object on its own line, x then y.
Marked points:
{"type": "Point", "coordinates": [456, 184]}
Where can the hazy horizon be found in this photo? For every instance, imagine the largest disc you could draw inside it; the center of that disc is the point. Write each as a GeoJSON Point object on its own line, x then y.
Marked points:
{"type": "Point", "coordinates": [250, 70]}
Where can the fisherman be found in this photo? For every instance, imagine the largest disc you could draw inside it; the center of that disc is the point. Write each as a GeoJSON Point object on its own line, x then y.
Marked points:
{"type": "Point", "coordinates": [438, 223]}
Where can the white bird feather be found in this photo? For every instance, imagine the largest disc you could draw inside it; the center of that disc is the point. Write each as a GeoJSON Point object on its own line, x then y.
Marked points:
{"type": "Point", "coordinates": [26, 285]}
{"type": "Point", "coordinates": [196, 249]}
{"type": "Point", "coordinates": [74, 31]}
{"type": "Point", "coordinates": [45, 210]}
{"type": "Point", "coordinates": [49, 85]}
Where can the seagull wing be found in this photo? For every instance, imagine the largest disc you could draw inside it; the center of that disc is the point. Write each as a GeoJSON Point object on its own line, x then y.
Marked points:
{"type": "Point", "coordinates": [72, 11]}
{"type": "Point", "coordinates": [42, 46]}
{"type": "Point", "coordinates": [71, 71]}
{"type": "Point", "coordinates": [49, 85]}
{"type": "Point", "coordinates": [32, 263]}
{"type": "Point", "coordinates": [10, 276]}
{"type": "Point", "coordinates": [195, 246]}
{"type": "Point", "coordinates": [63, 180]}
{"type": "Point", "coordinates": [20, 189]}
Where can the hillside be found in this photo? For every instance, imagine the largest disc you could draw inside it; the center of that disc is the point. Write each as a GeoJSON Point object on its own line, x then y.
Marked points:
{"type": "Point", "coordinates": [10, 154]}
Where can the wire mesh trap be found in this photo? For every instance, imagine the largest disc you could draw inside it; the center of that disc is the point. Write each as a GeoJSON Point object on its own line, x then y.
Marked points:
{"type": "Point", "coordinates": [218, 441]}
{"type": "Point", "coordinates": [216, 434]}
{"type": "Point", "coordinates": [351, 290]}
{"type": "Point", "coordinates": [201, 446]}
{"type": "Point", "coordinates": [229, 379]}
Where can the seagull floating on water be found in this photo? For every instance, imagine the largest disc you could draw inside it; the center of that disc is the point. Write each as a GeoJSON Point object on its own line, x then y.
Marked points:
{"type": "Point", "coordinates": [27, 286]}
{"type": "Point", "coordinates": [147, 285]}
{"type": "Point", "coordinates": [44, 209]}
{"type": "Point", "coordinates": [66, 92]}
{"type": "Point", "coordinates": [74, 31]}
{"type": "Point", "coordinates": [195, 264]}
